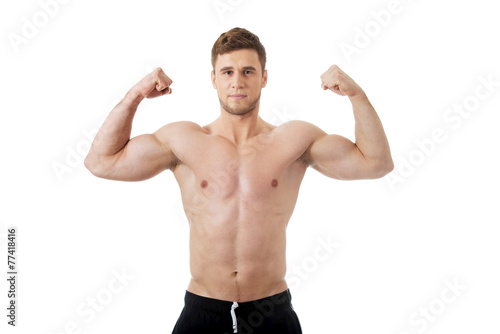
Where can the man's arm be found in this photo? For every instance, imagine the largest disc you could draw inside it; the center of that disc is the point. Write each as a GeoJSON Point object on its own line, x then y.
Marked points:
{"type": "Point", "coordinates": [338, 157]}
{"type": "Point", "coordinates": [113, 155]}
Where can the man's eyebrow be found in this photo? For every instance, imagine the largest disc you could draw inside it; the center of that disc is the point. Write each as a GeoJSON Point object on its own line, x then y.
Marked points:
{"type": "Point", "coordinates": [226, 68]}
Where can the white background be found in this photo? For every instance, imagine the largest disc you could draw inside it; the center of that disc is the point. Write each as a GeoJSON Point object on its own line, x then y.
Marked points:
{"type": "Point", "coordinates": [401, 237]}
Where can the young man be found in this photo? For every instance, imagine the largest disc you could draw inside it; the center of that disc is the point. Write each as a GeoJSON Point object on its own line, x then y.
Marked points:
{"type": "Point", "coordinates": [239, 178]}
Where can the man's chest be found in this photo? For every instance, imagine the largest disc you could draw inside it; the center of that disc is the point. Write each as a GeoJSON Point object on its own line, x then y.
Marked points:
{"type": "Point", "coordinates": [255, 171]}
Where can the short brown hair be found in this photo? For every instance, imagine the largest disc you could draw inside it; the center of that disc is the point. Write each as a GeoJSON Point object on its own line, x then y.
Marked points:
{"type": "Point", "coordinates": [237, 39]}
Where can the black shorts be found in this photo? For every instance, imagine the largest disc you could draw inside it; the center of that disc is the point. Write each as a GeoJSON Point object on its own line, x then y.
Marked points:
{"type": "Point", "coordinates": [272, 314]}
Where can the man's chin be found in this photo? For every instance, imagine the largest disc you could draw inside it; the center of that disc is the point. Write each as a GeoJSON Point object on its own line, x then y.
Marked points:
{"type": "Point", "coordinates": [238, 110]}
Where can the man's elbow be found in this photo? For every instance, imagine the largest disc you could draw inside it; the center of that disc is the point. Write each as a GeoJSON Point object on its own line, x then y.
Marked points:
{"type": "Point", "coordinates": [89, 164]}
{"type": "Point", "coordinates": [382, 168]}
{"type": "Point", "coordinates": [93, 167]}
{"type": "Point", "coordinates": [388, 167]}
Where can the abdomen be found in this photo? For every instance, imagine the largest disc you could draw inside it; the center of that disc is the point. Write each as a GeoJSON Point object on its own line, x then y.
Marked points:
{"type": "Point", "coordinates": [238, 255]}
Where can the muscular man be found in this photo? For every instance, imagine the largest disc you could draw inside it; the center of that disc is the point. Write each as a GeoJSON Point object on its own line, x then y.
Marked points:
{"type": "Point", "coordinates": [239, 178]}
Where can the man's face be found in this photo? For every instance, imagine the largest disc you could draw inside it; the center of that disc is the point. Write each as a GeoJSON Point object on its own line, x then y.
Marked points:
{"type": "Point", "coordinates": [238, 79]}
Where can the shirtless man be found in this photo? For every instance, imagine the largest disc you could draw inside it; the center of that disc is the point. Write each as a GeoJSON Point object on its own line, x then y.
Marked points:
{"type": "Point", "coordinates": [239, 178]}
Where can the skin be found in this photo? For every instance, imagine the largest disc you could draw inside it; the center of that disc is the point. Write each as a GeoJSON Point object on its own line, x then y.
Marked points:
{"type": "Point", "coordinates": [239, 176]}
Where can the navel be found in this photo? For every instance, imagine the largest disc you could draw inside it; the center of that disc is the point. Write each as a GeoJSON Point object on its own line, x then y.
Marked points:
{"type": "Point", "coordinates": [204, 183]}
{"type": "Point", "coordinates": [274, 183]}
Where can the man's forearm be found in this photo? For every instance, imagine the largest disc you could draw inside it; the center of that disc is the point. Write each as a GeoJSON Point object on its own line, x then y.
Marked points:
{"type": "Point", "coordinates": [370, 136]}
{"type": "Point", "coordinates": [115, 131]}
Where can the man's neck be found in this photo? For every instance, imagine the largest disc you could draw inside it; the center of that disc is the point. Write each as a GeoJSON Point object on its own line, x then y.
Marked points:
{"type": "Point", "coordinates": [238, 128]}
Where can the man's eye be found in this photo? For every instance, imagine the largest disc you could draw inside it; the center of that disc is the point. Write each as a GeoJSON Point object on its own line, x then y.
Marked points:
{"type": "Point", "coordinates": [248, 72]}
{"type": "Point", "coordinates": [227, 72]}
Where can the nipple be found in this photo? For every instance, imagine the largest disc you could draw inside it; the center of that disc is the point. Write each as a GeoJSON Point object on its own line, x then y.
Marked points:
{"type": "Point", "coordinates": [204, 184]}
{"type": "Point", "coordinates": [274, 183]}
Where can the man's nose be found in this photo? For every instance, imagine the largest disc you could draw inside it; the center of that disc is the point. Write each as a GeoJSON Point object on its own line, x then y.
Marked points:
{"type": "Point", "coordinates": [237, 81]}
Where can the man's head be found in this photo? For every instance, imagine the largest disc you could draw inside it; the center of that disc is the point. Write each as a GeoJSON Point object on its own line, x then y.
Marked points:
{"type": "Point", "coordinates": [237, 39]}
{"type": "Point", "coordinates": [238, 60]}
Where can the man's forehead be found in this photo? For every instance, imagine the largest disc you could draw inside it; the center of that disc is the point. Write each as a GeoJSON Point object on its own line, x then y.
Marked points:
{"type": "Point", "coordinates": [238, 58]}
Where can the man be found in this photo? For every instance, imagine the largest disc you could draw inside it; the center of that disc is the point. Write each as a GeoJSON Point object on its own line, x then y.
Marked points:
{"type": "Point", "coordinates": [239, 178]}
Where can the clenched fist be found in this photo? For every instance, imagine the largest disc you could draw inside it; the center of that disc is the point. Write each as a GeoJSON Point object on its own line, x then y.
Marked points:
{"type": "Point", "coordinates": [155, 84]}
{"type": "Point", "coordinates": [338, 82]}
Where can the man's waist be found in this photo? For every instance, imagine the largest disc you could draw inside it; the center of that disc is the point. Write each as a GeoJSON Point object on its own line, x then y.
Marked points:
{"type": "Point", "coordinates": [276, 301]}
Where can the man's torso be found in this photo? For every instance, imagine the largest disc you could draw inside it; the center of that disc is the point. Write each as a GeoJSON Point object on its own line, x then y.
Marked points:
{"type": "Point", "coordinates": [238, 200]}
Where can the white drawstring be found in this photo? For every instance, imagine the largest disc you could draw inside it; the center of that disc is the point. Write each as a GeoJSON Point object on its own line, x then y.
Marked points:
{"type": "Point", "coordinates": [233, 315]}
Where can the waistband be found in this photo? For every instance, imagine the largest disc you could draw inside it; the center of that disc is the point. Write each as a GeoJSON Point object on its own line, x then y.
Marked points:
{"type": "Point", "coordinates": [277, 302]}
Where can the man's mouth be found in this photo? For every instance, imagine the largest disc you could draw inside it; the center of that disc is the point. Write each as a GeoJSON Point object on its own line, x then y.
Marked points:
{"type": "Point", "coordinates": [237, 96]}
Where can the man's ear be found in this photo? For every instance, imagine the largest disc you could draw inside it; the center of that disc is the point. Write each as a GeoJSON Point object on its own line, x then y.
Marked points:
{"type": "Point", "coordinates": [214, 84]}
{"type": "Point", "coordinates": [264, 79]}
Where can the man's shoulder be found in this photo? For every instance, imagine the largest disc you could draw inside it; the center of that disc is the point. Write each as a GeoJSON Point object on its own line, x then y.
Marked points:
{"type": "Point", "coordinates": [299, 128]}
{"type": "Point", "coordinates": [181, 132]}
{"type": "Point", "coordinates": [179, 127]}
{"type": "Point", "coordinates": [185, 125]}
{"type": "Point", "coordinates": [298, 136]}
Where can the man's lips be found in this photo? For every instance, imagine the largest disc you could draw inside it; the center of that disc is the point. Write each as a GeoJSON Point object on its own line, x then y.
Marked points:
{"type": "Point", "coordinates": [237, 96]}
